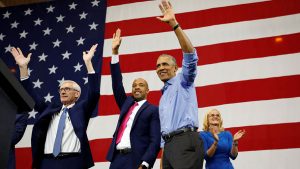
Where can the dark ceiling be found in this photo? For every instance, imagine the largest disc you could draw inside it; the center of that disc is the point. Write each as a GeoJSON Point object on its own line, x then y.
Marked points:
{"type": "Point", "coordinates": [4, 3]}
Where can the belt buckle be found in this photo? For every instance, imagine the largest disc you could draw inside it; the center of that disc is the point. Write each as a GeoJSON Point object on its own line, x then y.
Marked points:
{"type": "Point", "coordinates": [124, 151]}
{"type": "Point", "coordinates": [167, 137]}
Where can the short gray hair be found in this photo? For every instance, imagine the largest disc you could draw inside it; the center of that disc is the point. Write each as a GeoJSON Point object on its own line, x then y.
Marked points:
{"type": "Point", "coordinates": [170, 57]}
{"type": "Point", "coordinates": [75, 85]}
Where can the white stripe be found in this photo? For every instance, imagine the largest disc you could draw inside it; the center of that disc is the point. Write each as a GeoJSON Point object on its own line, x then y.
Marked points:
{"type": "Point", "coordinates": [257, 112]}
{"type": "Point", "coordinates": [234, 115]}
{"type": "Point", "coordinates": [247, 69]}
{"type": "Point", "coordinates": [151, 9]}
{"type": "Point", "coordinates": [269, 159]}
{"type": "Point", "coordinates": [209, 35]}
{"type": "Point", "coordinates": [282, 158]}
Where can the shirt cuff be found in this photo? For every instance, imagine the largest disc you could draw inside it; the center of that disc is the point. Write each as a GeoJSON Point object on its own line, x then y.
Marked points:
{"type": "Point", "coordinates": [145, 164]}
{"type": "Point", "coordinates": [190, 57]}
{"type": "Point", "coordinates": [114, 59]}
{"type": "Point", "coordinates": [93, 72]}
{"type": "Point", "coordinates": [24, 78]}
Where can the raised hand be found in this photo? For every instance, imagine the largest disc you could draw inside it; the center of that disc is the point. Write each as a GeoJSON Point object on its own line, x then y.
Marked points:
{"type": "Point", "coordinates": [215, 131]}
{"type": "Point", "coordinates": [168, 13]}
{"type": "Point", "coordinates": [88, 55]}
{"type": "Point", "coordinates": [116, 42]}
{"type": "Point", "coordinates": [20, 59]}
{"type": "Point", "coordinates": [238, 135]}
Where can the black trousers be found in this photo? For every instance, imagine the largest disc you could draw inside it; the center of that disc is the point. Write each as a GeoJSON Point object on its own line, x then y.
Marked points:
{"type": "Point", "coordinates": [67, 163]}
{"type": "Point", "coordinates": [184, 151]}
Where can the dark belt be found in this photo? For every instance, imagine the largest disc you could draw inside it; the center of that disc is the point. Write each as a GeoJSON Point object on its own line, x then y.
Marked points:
{"type": "Point", "coordinates": [61, 155]}
{"type": "Point", "coordinates": [124, 151]}
{"type": "Point", "coordinates": [169, 136]}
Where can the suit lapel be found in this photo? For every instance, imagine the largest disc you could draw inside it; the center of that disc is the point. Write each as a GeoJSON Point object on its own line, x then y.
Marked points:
{"type": "Point", "coordinates": [50, 111]}
{"type": "Point", "coordinates": [146, 104]}
{"type": "Point", "coordinates": [124, 110]}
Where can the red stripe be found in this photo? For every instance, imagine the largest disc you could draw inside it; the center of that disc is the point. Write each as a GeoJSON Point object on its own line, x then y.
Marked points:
{"type": "Point", "coordinates": [207, 17]}
{"type": "Point", "coordinates": [263, 137]}
{"type": "Point", "coordinates": [254, 48]}
{"type": "Point", "coordinates": [250, 90]}
{"type": "Point", "coordinates": [122, 2]}
{"type": "Point", "coordinates": [226, 93]}
{"type": "Point", "coordinates": [266, 137]}
{"type": "Point", "coordinates": [23, 158]}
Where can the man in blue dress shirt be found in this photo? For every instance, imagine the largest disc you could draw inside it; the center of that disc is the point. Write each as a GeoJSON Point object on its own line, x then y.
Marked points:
{"type": "Point", "coordinates": [178, 108]}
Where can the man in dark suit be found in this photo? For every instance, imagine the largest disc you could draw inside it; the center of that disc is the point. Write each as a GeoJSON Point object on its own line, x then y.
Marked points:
{"type": "Point", "coordinates": [20, 127]}
{"type": "Point", "coordinates": [59, 138]}
{"type": "Point", "coordinates": [136, 141]}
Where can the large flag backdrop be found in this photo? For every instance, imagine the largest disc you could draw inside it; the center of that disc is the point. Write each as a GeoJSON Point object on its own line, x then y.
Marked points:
{"type": "Point", "coordinates": [248, 69]}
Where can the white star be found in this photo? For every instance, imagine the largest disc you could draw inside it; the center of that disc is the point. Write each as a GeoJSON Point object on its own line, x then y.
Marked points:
{"type": "Point", "coordinates": [66, 55]}
{"type": "Point", "coordinates": [80, 41]}
{"type": "Point", "coordinates": [32, 113]}
{"type": "Point", "coordinates": [86, 80]}
{"type": "Point", "coordinates": [70, 29]}
{"type": "Point", "coordinates": [33, 46]}
{"type": "Point", "coordinates": [60, 18]}
{"type": "Point", "coordinates": [2, 36]}
{"type": "Point", "coordinates": [72, 6]}
{"type": "Point", "coordinates": [48, 98]}
{"type": "Point", "coordinates": [14, 25]}
{"type": "Point", "coordinates": [60, 81]}
{"type": "Point", "coordinates": [47, 31]}
{"type": "Point", "coordinates": [29, 71]}
{"type": "Point", "coordinates": [23, 34]}
{"type": "Point", "coordinates": [52, 70]}
{"type": "Point", "coordinates": [8, 48]}
{"type": "Point", "coordinates": [6, 15]}
{"type": "Point", "coordinates": [50, 9]}
{"type": "Point", "coordinates": [77, 67]}
{"type": "Point", "coordinates": [95, 3]}
{"type": "Point", "coordinates": [83, 15]}
{"type": "Point", "coordinates": [43, 57]}
{"type": "Point", "coordinates": [37, 22]}
{"type": "Point", "coordinates": [93, 26]}
{"type": "Point", "coordinates": [28, 12]}
{"type": "Point", "coordinates": [37, 83]}
{"type": "Point", "coordinates": [56, 43]}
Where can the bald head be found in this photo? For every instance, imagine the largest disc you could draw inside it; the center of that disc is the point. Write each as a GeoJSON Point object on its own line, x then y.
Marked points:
{"type": "Point", "coordinates": [140, 89]}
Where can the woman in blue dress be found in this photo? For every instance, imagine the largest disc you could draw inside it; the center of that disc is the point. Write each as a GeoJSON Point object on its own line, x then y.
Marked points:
{"type": "Point", "coordinates": [219, 145]}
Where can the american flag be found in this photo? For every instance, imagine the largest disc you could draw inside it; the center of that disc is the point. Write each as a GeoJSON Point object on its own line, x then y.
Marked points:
{"type": "Point", "coordinates": [249, 69]}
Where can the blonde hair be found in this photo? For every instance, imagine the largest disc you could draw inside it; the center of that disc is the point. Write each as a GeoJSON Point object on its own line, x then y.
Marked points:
{"type": "Point", "coordinates": [206, 122]}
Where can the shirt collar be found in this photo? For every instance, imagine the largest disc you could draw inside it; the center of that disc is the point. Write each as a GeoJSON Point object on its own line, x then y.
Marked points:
{"type": "Point", "coordinates": [141, 102]}
{"type": "Point", "coordinates": [171, 81]}
{"type": "Point", "coordinates": [167, 83]}
{"type": "Point", "coordinates": [69, 106]}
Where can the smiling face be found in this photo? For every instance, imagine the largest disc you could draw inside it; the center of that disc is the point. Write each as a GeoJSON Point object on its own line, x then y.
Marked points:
{"type": "Point", "coordinates": [214, 118]}
{"type": "Point", "coordinates": [68, 93]}
{"type": "Point", "coordinates": [166, 67]}
{"type": "Point", "coordinates": [140, 89]}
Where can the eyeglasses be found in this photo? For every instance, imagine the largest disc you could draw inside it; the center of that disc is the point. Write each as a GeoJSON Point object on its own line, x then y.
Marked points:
{"type": "Point", "coordinates": [212, 115]}
{"type": "Point", "coordinates": [65, 89]}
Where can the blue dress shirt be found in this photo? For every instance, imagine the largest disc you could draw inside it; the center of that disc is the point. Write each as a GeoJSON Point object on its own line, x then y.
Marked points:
{"type": "Point", "coordinates": [178, 105]}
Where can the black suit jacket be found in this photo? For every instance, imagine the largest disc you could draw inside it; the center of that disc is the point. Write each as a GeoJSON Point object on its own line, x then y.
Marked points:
{"type": "Point", "coordinates": [20, 127]}
{"type": "Point", "coordinates": [145, 131]}
{"type": "Point", "coordinates": [79, 114]}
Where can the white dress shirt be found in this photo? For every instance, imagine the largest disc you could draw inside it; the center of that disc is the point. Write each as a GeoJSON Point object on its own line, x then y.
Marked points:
{"type": "Point", "coordinates": [70, 142]}
{"type": "Point", "coordinates": [125, 140]}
